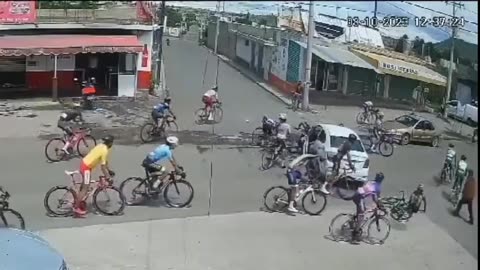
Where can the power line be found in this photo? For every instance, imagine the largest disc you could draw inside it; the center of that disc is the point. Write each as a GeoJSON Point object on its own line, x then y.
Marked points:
{"type": "Point", "coordinates": [439, 12]}
{"type": "Point", "coordinates": [411, 14]}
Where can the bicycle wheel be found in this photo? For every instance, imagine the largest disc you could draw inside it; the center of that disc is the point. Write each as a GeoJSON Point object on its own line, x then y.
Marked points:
{"type": "Point", "coordinates": [11, 219]}
{"type": "Point", "coordinates": [385, 149]}
{"type": "Point", "coordinates": [317, 200]}
{"type": "Point", "coordinates": [279, 198]}
{"type": "Point", "coordinates": [85, 144]}
{"type": "Point", "coordinates": [378, 224]}
{"type": "Point", "coordinates": [361, 118]}
{"type": "Point", "coordinates": [346, 188]}
{"type": "Point", "coordinates": [55, 144]}
{"type": "Point", "coordinates": [147, 132]}
{"type": "Point", "coordinates": [400, 213]}
{"type": "Point", "coordinates": [63, 206]}
{"type": "Point", "coordinates": [133, 190]}
{"type": "Point", "coordinates": [268, 159]}
{"type": "Point", "coordinates": [176, 187]}
{"type": "Point", "coordinates": [217, 115]}
{"type": "Point", "coordinates": [103, 206]}
{"type": "Point", "coordinates": [170, 126]}
{"type": "Point", "coordinates": [200, 116]}
{"type": "Point", "coordinates": [341, 227]}
{"type": "Point", "coordinates": [257, 137]}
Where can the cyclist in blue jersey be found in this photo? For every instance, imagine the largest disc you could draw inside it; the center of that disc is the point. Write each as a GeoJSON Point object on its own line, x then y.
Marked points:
{"type": "Point", "coordinates": [152, 162]}
{"type": "Point", "coordinates": [160, 110]}
{"type": "Point", "coordinates": [369, 189]}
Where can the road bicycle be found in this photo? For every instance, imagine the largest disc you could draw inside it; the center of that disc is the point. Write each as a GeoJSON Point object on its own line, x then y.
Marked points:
{"type": "Point", "coordinates": [346, 185]}
{"type": "Point", "coordinates": [455, 196]}
{"type": "Point", "coordinates": [384, 144]}
{"type": "Point", "coordinates": [17, 220]}
{"type": "Point", "coordinates": [446, 174]}
{"type": "Point", "coordinates": [215, 116]}
{"type": "Point", "coordinates": [400, 209]}
{"type": "Point", "coordinates": [150, 131]}
{"type": "Point", "coordinates": [295, 101]}
{"type": "Point", "coordinates": [342, 226]}
{"type": "Point", "coordinates": [277, 198]}
{"type": "Point", "coordinates": [81, 141]}
{"type": "Point", "coordinates": [67, 195]}
{"type": "Point", "coordinates": [272, 153]}
{"type": "Point", "coordinates": [142, 189]}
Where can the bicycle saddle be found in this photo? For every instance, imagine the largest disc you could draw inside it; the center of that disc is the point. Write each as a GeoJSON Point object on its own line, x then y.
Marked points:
{"type": "Point", "coordinates": [70, 173]}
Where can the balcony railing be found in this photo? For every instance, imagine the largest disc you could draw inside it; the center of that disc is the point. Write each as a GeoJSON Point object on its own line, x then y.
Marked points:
{"type": "Point", "coordinates": [118, 15]}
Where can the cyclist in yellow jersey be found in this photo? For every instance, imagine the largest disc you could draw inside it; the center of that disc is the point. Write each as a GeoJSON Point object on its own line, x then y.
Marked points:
{"type": "Point", "coordinates": [97, 156]}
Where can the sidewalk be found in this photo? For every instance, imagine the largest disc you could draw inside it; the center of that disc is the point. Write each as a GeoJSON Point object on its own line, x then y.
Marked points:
{"type": "Point", "coordinates": [346, 114]}
{"type": "Point", "coordinates": [251, 241]}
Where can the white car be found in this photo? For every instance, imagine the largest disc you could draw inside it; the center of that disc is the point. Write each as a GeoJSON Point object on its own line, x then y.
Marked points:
{"type": "Point", "coordinates": [467, 113]}
{"type": "Point", "coordinates": [336, 135]}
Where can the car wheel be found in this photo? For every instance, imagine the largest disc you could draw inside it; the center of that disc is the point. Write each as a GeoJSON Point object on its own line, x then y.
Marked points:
{"type": "Point", "coordinates": [435, 141]}
{"type": "Point", "coordinates": [405, 139]}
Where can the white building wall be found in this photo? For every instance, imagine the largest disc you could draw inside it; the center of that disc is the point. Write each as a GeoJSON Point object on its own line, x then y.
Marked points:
{"type": "Point", "coordinates": [244, 51]}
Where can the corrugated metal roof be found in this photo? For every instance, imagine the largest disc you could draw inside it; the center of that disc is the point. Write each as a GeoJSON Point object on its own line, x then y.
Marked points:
{"type": "Point", "coordinates": [340, 56]}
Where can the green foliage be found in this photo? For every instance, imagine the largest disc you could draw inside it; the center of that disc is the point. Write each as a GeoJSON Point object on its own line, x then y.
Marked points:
{"type": "Point", "coordinates": [45, 4]}
{"type": "Point", "coordinates": [174, 17]}
{"type": "Point", "coordinates": [466, 52]}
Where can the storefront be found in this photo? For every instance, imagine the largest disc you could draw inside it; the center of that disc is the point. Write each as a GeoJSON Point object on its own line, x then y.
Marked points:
{"type": "Point", "coordinates": [43, 64]}
{"type": "Point", "coordinates": [403, 77]}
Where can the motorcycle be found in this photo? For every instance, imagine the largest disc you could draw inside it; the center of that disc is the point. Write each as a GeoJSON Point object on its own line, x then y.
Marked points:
{"type": "Point", "coordinates": [88, 92]}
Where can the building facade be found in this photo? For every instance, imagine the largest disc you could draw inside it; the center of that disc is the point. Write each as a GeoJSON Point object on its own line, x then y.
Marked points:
{"type": "Point", "coordinates": [46, 54]}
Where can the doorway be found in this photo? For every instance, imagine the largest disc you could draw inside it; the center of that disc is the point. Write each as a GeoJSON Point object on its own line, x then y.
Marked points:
{"type": "Point", "coordinates": [101, 66]}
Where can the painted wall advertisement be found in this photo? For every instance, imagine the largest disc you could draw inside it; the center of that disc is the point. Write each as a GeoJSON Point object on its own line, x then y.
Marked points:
{"type": "Point", "coordinates": [17, 12]}
{"type": "Point", "coordinates": [145, 11]}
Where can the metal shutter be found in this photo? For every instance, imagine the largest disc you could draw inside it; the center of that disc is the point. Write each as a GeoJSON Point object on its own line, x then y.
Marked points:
{"type": "Point", "coordinates": [12, 64]}
{"type": "Point", "coordinates": [293, 65]}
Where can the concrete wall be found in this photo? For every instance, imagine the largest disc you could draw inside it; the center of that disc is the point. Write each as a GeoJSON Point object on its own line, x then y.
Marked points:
{"type": "Point", "coordinates": [244, 49]}
{"type": "Point", "coordinates": [226, 40]}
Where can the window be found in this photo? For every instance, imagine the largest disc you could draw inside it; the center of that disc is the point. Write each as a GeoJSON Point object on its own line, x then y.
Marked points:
{"type": "Point", "coordinates": [428, 126]}
{"type": "Point", "coordinates": [407, 120]}
{"type": "Point", "coordinates": [420, 125]}
{"type": "Point", "coordinates": [127, 64]}
{"type": "Point", "coordinates": [336, 141]}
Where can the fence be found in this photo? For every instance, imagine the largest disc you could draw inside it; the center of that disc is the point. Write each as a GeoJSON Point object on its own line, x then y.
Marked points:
{"type": "Point", "coordinates": [124, 15]}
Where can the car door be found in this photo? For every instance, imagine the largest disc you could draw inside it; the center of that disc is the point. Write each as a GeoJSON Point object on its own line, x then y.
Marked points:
{"type": "Point", "coordinates": [428, 131]}
{"type": "Point", "coordinates": [418, 131]}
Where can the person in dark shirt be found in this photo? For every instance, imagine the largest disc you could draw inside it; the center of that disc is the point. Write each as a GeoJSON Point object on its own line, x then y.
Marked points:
{"type": "Point", "coordinates": [343, 150]}
{"type": "Point", "coordinates": [65, 121]}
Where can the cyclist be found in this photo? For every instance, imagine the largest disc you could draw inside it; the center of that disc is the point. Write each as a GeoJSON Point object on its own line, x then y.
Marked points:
{"type": "Point", "coordinates": [152, 161]}
{"type": "Point", "coordinates": [369, 189]}
{"type": "Point", "coordinates": [416, 200]}
{"type": "Point", "coordinates": [319, 163]}
{"type": "Point", "coordinates": [450, 159]}
{"type": "Point", "coordinates": [97, 156]}
{"type": "Point", "coordinates": [461, 172]}
{"type": "Point", "coordinates": [283, 132]}
{"type": "Point", "coordinates": [377, 130]}
{"type": "Point", "coordinates": [268, 125]}
{"type": "Point", "coordinates": [160, 110]}
{"type": "Point", "coordinates": [294, 176]}
{"type": "Point", "coordinates": [298, 93]}
{"type": "Point", "coordinates": [367, 106]}
{"type": "Point", "coordinates": [209, 99]}
{"type": "Point", "coordinates": [65, 121]}
{"type": "Point", "coordinates": [344, 150]}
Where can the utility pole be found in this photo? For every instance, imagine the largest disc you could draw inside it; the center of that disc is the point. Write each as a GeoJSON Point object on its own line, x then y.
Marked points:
{"type": "Point", "coordinates": [450, 66]}
{"type": "Point", "coordinates": [308, 67]}
{"type": "Point", "coordinates": [161, 29]}
{"type": "Point", "coordinates": [217, 33]}
{"type": "Point", "coordinates": [375, 10]}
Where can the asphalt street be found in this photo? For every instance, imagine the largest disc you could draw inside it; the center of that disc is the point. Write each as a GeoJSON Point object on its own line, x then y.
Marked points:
{"type": "Point", "coordinates": [230, 173]}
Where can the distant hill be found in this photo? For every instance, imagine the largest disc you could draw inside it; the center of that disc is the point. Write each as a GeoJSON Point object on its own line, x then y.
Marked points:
{"type": "Point", "coordinates": [464, 49]}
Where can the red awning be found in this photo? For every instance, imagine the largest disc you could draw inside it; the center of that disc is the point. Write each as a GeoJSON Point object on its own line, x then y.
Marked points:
{"type": "Point", "coordinates": [67, 44]}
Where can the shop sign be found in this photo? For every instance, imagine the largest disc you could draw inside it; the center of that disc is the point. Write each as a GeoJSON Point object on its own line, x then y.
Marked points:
{"type": "Point", "coordinates": [17, 12]}
{"type": "Point", "coordinates": [399, 68]}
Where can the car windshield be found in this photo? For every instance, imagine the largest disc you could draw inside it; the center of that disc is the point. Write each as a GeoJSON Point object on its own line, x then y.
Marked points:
{"type": "Point", "coordinates": [336, 141]}
{"type": "Point", "coordinates": [407, 120]}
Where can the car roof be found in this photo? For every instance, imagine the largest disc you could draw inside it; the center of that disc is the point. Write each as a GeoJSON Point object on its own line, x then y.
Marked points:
{"type": "Point", "coordinates": [26, 250]}
{"type": "Point", "coordinates": [339, 131]}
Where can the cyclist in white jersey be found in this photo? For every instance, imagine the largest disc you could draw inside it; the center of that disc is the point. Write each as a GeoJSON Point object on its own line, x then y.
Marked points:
{"type": "Point", "coordinates": [283, 132]}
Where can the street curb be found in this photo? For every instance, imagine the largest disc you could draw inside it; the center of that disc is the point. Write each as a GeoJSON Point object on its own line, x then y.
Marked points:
{"type": "Point", "coordinates": [254, 80]}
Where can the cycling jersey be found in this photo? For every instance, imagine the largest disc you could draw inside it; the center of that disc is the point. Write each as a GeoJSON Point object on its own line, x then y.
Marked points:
{"type": "Point", "coordinates": [283, 130]}
{"type": "Point", "coordinates": [370, 188]}
{"type": "Point", "coordinates": [160, 154]}
{"type": "Point", "coordinates": [69, 115]}
{"type": "Point", "coordinates": [462, 167]}
{"type": "Point", "coordinates": [162, 108]}
{"type": "Point", "coordinates": [98, 155]}
{"type": "Point", "coordinates": [450, 155]}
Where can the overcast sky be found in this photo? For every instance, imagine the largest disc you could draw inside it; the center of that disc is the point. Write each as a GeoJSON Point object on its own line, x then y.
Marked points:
{"type": "Point", "coordinates": [343, 9]}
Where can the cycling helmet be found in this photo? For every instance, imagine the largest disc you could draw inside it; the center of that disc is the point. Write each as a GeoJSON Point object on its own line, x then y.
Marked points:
{"type": "Point", "coordinates": [420, 187]}
{"type": "Point", "coordinates": [168, 99]}
{"type": "Point", "coordinates": [108, 139]}
{"type": "Point", "coordinates": [282, 116]}
{"type": "Point", "coordinates": [380, 114]}
{"type": "Point", "coordinates": [215, 88]}
{"type": "Point", "coordinates": [451, 145]}
{"type": "Point", "coordinates": [172, 140]}
{"type": "Point", "coordinates": [379, 177]}
{"type": "Point", "coordinates": [463, 157]}
{"type": "Point", "coordinates": [352, 137]}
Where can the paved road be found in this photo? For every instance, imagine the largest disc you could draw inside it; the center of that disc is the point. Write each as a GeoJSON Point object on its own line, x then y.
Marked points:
{"type": "Point", "coordinates": [237, 184]}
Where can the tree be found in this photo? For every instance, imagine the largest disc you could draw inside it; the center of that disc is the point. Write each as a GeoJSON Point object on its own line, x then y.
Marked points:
{"type": "Point", "coordinates": [263, 21]}
{"type": "Point", "coordinates": [401, 44]}
{"type": "Point", "coordinates": [174, 18]}
{"type": "Point", "coordinates": [418, 43]}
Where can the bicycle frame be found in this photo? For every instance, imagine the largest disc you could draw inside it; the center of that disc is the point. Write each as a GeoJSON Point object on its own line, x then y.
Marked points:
{"type": "Point", "coordinates": [96, 183]}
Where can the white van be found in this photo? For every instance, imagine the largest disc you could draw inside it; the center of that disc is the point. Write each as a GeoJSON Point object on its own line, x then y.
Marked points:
{"type": "Point", "coordinates": [467, 113]}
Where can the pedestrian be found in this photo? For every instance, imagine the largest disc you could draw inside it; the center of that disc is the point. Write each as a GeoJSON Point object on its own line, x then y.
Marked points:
{"type": "Point", "coordinates": [475, 135]}
{"type": "Point", "coordinates": [468, 195]}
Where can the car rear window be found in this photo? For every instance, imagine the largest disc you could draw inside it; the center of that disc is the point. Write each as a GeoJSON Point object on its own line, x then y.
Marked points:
{"type": "Point", "coordinates": [336, 141]}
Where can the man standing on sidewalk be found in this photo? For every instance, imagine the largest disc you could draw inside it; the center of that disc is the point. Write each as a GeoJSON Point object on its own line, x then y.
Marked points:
{"type": "Point", "coordinates": [468, 195]}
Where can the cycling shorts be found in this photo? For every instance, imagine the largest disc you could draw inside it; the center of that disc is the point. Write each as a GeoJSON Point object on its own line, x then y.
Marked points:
{"type": "Point", "coordinates": [294, 177]}
{"type": "Point", "coordinates": [85, 171]}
